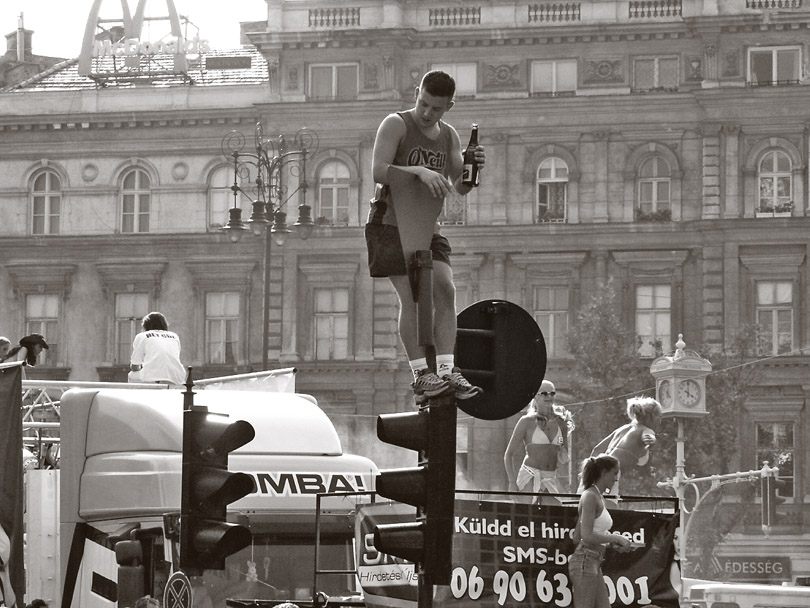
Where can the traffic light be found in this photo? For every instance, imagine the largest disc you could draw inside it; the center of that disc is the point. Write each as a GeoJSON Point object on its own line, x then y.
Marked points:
{"type": "Point", "coordinates": [771, 487]}
{"type": "Point", "coordinates": [430, 487]}
{"type": "Point", "coordinates": [206, 538]}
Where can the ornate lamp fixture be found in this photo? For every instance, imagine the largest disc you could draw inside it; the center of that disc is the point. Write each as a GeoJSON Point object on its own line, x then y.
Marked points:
{"type": "Point", "coordinates": [271, 163]}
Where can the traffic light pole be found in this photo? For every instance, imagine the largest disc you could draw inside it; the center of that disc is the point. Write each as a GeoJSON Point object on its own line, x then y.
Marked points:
{"type": "Point", "coordinates": [430, 486]}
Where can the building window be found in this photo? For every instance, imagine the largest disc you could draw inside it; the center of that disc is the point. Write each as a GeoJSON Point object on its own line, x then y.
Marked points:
{"type": "Point", "coordinates": [654, 184]}
{"type": "Point", "coordinates": [47, 203]}
{"type": "Point", "coordinates": [776, 446]}
{"type": "Point", "coordinates": [333, 193]}
{"type": "Point", "coordinates": [465, 75]}
{"type": "Point", "coordinates": [333, 82]}
{"type": "Point", "coordinates": [42, 317]}
{"type": "Point", "coordinates": [770, 66]}
{"type": "Point", "coordinates": [130, 308]}
{"type": "Point", "coordinates": [136, 197]}
{"type": "Point", "coordinates": [557, 77]}
{"type": "Point", "coordinates": [220, 196]}
{"type": "Point", "coordinates": [551, 314]}
{"type": "Point", "coordinates": [774, 317]}
{"type": "Point", "coordinates": [221, 327]}
{"type": "Point", "coordinates": [331, 323]}
{"type": "Point", "coordinates": [775, 182]}
{"type": "Point", "coordinates": [655, 74]}
{"type": "Point", "coordinates": [653, 319]}
{"type": "Point", "coordinates": [552, 190]}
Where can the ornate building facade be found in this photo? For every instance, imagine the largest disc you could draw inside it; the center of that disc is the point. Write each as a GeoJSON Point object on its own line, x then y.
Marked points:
{"type": "Point", "coordinates": [660, 143]}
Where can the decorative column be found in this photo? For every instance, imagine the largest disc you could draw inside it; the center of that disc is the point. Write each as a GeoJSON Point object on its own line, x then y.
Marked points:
{"type": "Point", "coordinates": [731, 160]}
{"type": "Point", "coordinates": [711, 172]}
{"type": "Point", "coordinates": [602, 149]}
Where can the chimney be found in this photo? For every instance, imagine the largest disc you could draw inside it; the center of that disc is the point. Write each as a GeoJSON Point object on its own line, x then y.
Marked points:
{"type": "Point", "coordinates": [20, 40]}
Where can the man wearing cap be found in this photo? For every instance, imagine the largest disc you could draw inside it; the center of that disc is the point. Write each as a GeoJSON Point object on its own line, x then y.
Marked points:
{"type": "Point", "coordinates": [542, 436]}
{"type": "Point", "coordinates": [28, 350]}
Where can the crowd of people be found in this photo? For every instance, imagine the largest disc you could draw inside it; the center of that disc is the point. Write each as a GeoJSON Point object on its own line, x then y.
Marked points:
{"type": "Point", "coordinates": [537, 448]}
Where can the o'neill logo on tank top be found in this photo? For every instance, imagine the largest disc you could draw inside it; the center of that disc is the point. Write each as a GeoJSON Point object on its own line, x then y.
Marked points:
{"type": "Point", "coordinates": [420, 157]}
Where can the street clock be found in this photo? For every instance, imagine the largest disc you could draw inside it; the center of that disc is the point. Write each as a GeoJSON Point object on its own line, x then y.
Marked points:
{"type": "Point", "coordinates": [680, 382]}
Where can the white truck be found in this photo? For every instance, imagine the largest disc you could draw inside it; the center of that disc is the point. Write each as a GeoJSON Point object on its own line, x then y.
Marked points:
{"type": "Point", "coordinates": [121, 480]}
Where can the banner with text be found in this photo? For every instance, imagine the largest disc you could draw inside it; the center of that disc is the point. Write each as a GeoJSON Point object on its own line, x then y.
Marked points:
{"type": "Point", "coordinates": [508, 554]}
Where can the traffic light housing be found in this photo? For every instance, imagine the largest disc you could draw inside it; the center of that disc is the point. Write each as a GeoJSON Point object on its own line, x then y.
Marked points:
{"type": "Point", "coordinates": [206, 538]}
{"type": "Point", "coordinates": [771, 486]}
{"type": "Point", "coordinates": [430, 487]}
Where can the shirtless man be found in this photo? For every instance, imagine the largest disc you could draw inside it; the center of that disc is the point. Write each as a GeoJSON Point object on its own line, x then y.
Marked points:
{"type": "Point", "coordinates": [542, 436]}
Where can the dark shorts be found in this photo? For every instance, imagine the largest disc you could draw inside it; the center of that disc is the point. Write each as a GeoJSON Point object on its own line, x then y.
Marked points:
{"type": "Point", "coordinates": [385, 257]}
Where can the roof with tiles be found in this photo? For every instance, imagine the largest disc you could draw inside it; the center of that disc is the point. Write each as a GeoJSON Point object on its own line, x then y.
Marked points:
{"type": "Point", "coordinates": [243, 66]}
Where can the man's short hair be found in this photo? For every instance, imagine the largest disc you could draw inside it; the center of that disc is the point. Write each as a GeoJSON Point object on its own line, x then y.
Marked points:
{"type": "Point", "coordinates": [438, 84]}
{"type": "Point", "coordinates": [37, 603]}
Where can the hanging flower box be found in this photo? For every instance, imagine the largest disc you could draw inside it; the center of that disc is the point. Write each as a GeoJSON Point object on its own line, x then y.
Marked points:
{"type": "Point", "coordinates": [780, 210]}
{"type": "Point", "coordinates": [773, 214]}
{"type": "Point", "coordinates": [661, 215]}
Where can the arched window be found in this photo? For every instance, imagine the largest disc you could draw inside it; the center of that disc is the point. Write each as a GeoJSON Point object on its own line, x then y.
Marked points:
{"type": "Point", "coordinates": [333, 193]}
{"type": "Point", "coordinates": [552, 190]}
{"type": "Point", "coordinates": [136, 198]}
{"type": "Point", "coordinates": [775, 179]}
{"type": "Point", "coordinates": [654, 186]}
{"type": "Point", "coordinates": [46, 198]}
{"type": "Point", "coordinates": [220, 196]}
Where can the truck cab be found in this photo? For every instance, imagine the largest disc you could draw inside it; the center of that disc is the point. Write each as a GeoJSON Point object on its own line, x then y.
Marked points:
{"type": "Point", "coordinates": [121, 480]}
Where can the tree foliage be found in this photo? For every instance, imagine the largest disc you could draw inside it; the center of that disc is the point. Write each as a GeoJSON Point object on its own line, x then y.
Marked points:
{"type": "Point", "coordinates": [607, 371]}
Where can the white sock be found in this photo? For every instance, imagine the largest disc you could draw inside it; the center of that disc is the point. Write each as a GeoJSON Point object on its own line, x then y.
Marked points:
{"type": "Point", "coordinates": [444, 365]}
{"type": "Point", "coordinates": [417, 365]}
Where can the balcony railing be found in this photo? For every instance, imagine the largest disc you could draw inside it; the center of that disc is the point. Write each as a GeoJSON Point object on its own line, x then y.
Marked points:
{"type": "Point", "coordinates": [768, 4]}
{"type": "Point", "coordinates": [454, 16]}
{"type": "Point", "coordinates": [555, 12]}
{"type": "Point", "coordinates": [654, 9]}
{"type": "Point", "coordinates": [334, 17]}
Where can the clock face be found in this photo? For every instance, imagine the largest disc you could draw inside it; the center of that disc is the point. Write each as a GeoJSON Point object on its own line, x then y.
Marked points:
{"type": "Point", "coordinates": [688, 393]}
{"type": "Point", "coordinates": [665, 394]}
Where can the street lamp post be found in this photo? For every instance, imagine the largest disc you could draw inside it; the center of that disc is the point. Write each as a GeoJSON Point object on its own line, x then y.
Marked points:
{"type": "Point", "coordinates": [271, 163]}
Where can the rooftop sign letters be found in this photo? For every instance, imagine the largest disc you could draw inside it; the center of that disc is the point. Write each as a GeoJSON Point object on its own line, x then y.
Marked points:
{"type": "Point", "coordinates": [131, 46]}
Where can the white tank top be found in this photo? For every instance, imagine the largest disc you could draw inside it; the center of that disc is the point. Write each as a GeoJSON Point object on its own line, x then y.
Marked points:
{"type": "Point", "coordinates": [604, 522]}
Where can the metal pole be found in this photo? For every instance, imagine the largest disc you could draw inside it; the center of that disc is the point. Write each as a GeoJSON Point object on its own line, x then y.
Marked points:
{"type": "Point", "coordinates": [268, 243]}
{"type": "Point", "coordinates": [680, 491]}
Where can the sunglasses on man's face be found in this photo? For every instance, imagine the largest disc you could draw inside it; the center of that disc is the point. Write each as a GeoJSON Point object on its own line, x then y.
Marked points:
{"type": "Point", "coordinates": [546, 394]}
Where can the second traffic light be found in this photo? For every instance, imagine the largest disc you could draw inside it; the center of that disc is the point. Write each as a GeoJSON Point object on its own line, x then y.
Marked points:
{"type": "Point", "coordinates": [430, 487]}
{"type": "Point", "coordinates": [771, 487]}
{"type": "Point", "coordinates": [206, 538]}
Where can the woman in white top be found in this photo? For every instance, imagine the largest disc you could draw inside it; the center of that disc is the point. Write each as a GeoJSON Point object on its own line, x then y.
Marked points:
{"type": "Point", "coordinates": [593, 533]}
{"type": "Point", "coordinates": [156, 353]}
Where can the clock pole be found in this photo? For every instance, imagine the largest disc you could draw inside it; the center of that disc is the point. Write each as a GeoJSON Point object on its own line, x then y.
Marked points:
{"type": "Point", "coordinates": [681, 390]}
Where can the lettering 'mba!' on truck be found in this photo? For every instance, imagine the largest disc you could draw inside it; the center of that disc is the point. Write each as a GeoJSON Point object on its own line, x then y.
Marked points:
{"type": "Point", "coordinates": [121, 480]}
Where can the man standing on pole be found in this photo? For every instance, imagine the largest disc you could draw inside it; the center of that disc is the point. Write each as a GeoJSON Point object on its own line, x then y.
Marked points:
{"type": "Point", "coordinates": [419, 142]}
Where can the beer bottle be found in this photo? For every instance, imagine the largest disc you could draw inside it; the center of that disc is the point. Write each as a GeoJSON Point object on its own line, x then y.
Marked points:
{"type": "Point", "coordinates": [469, 176]}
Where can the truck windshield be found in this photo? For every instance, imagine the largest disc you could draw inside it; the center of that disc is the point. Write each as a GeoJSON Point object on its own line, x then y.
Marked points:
{"type": "Point", "coordinates": [276, 568]}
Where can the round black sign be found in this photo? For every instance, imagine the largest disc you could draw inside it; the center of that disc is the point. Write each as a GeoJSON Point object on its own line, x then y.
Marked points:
{"type": "Point", "coordinates": [500, 348]}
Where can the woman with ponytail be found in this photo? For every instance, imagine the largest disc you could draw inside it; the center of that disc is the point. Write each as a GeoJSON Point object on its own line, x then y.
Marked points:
{"type": "Point", "coordinates": [593, 533]}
